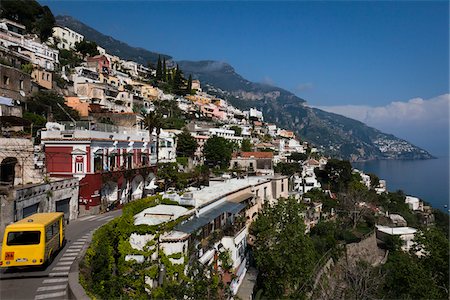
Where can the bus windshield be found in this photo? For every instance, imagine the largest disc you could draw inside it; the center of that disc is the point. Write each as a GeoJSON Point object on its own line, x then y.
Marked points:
{"type": "Point", "coordinates": [23, 238]}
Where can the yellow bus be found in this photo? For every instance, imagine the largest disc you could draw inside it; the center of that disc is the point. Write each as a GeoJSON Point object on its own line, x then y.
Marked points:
{"type": "Point", "coordinates": [33, 241]}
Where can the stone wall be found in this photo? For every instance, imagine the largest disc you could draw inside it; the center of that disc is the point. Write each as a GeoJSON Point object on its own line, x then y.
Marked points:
{"type": "Point", "coordinates": [45, 197]}
{"type": "Point", "coordinates": [366, 250]}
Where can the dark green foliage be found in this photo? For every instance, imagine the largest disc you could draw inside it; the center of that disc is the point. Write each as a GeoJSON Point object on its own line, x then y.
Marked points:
{"type": "Point", "coordinates": [112, 46]}
{"type": "Point", "coordinates": [186, 144]}
{"type": "Point", "coordinates": [406, 278]}
{"type": "Point", "coordinates": [237, 130]}
{"type": "Point", "coordinates": [374, 180]}
{"type": "Point", "coordinates": [69, 58]}
{"type": "Point", "coordinates": [395, 203]}
{"type": "Point", "coordinates": [36, 18]}
{"type": "Point", "coordinates": [38, 121]}
{"type": "Point", "coordinates": [44, 103]}
{"type": "Point", "coordinates": [339, 174]}
{"type": "Point", "coordinates": [164, 70]}
{"type": "Point", "coordinates": [284, 254]}
{"type": "Point", "coordinates": [86, 48]}
{"type": "Point", "coordinates": [217, 152]}
{"type": "Point", "coordinates": [287, 168]}
{"type": "Point", "coordinates": [442, 221]}
{"type": "Point", "coordinates": [298, 156]}
{"type": "Point", "coordinates": [325, 237]}
{"type": "Point", "coordinates": [246, 145]}
{"type": "Point", "coordinates": [159, 74]}
{"type": "Point", "coordinates": [189, 85]}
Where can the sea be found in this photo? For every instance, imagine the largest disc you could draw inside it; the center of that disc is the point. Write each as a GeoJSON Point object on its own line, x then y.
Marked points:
{"type": "Point", "coordinates": [425, 179]}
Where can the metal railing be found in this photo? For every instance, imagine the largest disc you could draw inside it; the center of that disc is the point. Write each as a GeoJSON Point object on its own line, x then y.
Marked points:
{"type": "Point", "coordinates": [85, 125]}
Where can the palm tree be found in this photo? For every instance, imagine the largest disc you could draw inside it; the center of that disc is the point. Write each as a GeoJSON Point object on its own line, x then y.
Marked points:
{"type": "Point", "coordinates": [153, 120]}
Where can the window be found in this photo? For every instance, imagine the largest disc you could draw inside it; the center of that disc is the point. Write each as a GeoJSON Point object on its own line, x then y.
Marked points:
{"type": "Point", "coordinates": [43, 76]}
{"type": "Point", "coordinates": [23, 238]}
{"type": "Point", "coordinates": [48, 77]}
{"type": "Point", "coordinates": [79, 167]}
{"type": "Point", "coordinates": [21, 84]}
{"type": "Point", "coordinates": [112, 162]}
{"type": "Point", "coordinates": [282, 187]}
{"type": "Point", "coordinates": [5, 80]}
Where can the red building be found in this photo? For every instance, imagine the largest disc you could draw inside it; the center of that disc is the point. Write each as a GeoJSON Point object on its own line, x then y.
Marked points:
{"type": "Point", "coordinates": [113, 165]}
{"type": "Point", "coordinates": [100, 62]}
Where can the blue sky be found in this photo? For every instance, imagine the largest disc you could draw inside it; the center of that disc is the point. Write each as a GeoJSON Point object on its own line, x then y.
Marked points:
{"type": "Point", "coordinates": [332, 54]}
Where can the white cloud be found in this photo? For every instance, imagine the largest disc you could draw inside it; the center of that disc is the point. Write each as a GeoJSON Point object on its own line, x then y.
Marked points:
{"type": "Point", "coordinates": [267, 80]}
{"type": "Point", "coordinates": [304, 87]}
{"type": "Point", "coordinates": [421, 121]}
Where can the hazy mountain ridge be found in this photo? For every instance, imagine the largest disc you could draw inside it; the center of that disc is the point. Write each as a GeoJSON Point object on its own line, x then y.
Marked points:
{"type": "Point", "coordinates": [334, 134]}
{"type": "Point", "coordinates": [114, 47]}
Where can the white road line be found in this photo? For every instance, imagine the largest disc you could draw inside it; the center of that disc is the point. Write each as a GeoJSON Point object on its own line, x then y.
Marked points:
{"type": "Point", "coordinates": [61, 268]}
{"type": "Point", "coordinates": [56, 274]}
{"type": "Point", "coordinates": [68, 258]}
{"type": "Point", "coordinates": [82, 240]}
{"type": "Point", "coordinates": [64, 263]}
{"type": "Point", "coordinates": [78, 243]}
{"type": "Point", "coordinates": [55, 280]}
{"type": "Point", "coordinates": [72, 254]}
{"type": "Point", "coordinates": [86, 218]}
{"type": "Point", "coordinates": [73, 250]}
{"type": "Point", "coordinates": [51, 295]}
{"type": "Point", "coordinates": [51, 288]}
{"type": "Point", "coordinates": [75, 247]}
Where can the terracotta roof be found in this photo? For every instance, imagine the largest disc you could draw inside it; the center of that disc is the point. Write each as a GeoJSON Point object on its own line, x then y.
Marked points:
{"type": "Point", "coordinates": [254, 154]}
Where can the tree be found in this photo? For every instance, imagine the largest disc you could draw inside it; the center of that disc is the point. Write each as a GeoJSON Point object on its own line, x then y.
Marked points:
{"type": "Point", "coordinates": [164, 71]}
{"type": "Point", "coordinates": [36, 18]}
{"type": "Point", "coordinates": [349, 203]}
{"type": "Point", "coordinates": [246, 145]}
{"type": "Point", "coordinates": [287, 168]}
{"type": "Point", "coordinates": [87, 48]}
{"type": "Point", "coordinates": [406, 278]}
{"type": "Point", "coordinates": [284, 254]}
{"type": "Point", "coordinates": [69, 58]}
{"type": "Point", "coordinates": [178, 81]}
{"type": "Point", "coordinates": [362, 281]}
{"type": "Point", "coordinates": [45, 103]}
{"type": "Point", "coordinates": [237, 130]}
{"type": "Point", "coordinates": [296, 156]}
{"type": "Point", "coordinates": [186, 144]}
{"type": "Point", "coordinates": [339, 174]}
{"type": "Point", "coordinates": [153, 120]}
{"type": "Point", "coordinates": [189, 85]}
{"type": "Point", "coordinates": [217, 152]}
{"type": "Point", "coordinates": [159, 70]}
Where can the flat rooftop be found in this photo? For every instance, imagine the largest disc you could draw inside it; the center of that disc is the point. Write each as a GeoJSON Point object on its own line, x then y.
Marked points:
{"type": "Point", "coordinates": [219, 189]}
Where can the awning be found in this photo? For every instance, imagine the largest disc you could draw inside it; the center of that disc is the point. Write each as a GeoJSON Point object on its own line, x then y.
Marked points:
{"type": "Point", "coordinates": [205, 218]}
{"type": "Point", "coordinates": [241, 198]}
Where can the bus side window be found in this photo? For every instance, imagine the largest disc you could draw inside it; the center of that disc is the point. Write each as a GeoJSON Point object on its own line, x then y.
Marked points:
{"type": "Point", "coordinates": [48, 233]}
{"type": "Point", "coordinates": [55, 228]}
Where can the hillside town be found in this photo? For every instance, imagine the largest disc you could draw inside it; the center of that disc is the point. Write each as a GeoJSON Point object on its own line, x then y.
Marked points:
{"type": "Point", "coordinates": [199, 181]}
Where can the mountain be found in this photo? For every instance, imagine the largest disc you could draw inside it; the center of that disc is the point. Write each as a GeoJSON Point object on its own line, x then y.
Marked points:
{"type": "Point", "coordinates": [112, 46]}
{"type": "Point", "coordinates": [334, 134]}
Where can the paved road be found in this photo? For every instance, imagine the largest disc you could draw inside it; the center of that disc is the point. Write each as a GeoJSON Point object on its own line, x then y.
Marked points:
{"type": "Point", "coordinates": [51, 283]}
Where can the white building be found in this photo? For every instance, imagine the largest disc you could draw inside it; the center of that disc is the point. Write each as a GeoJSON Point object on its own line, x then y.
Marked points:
{"type": "Point", "coordinates": [66, 38]}
{"type": "Point", "coordinates": [406, 234]}
{"type": "Point", "coordinates": [414, 203]}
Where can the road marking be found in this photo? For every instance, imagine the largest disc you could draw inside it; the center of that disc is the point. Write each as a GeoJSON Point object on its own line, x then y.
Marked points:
{"type": "Point", "coordinates": [78, 243]}
{"type": "Point", "coordinates": [58, 274]}
{"type": "Point", "coordinates": [51, 295]}
{"type": "Point", "coordinates": [51, 288]}
{"type": "Point", "coordinates": [71, 255]}
{"type": "Point", "coordinates": [61, 268]}
{"type": "Point", "coordinates": [55, 280]}
{"type": "Point", "coordinates": [63, 263]}
{"type": "Point", "coordinates": [68, 258]}
{"type": "Point", "coordinates": [73, 250]}
{"type": "Point", "coordinates": [76, 247]}
{"type": "Point", "coordinates": [105, 218]}
{"type": "Point", "coordinates": [86, 218]}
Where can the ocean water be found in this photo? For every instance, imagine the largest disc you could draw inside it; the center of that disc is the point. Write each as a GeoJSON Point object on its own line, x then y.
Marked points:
{"type": "Point", "coordinates": [426, 179]}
